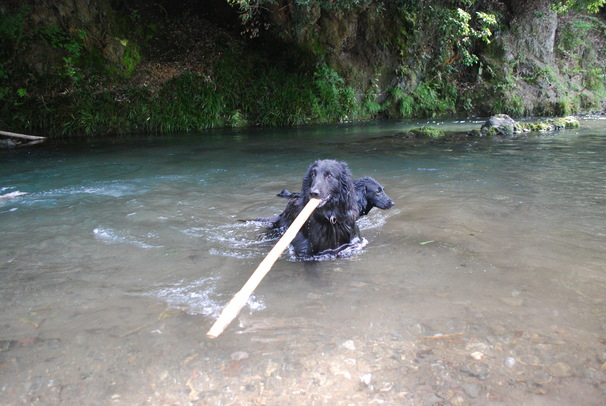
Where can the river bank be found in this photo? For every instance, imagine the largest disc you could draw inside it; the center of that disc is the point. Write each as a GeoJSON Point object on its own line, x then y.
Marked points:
{"type": "Point", "coordinates": [132, 67]}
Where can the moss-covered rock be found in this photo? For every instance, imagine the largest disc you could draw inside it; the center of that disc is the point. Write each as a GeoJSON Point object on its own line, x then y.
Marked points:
{"type": "Point", "coordinates": [560, 123]}
{"type": "Point", "coordinates": [503, 125]}
{"type": "Point", "coordinates": [123, 55]}
{"type": "Point", "coordinates": [422, 133]}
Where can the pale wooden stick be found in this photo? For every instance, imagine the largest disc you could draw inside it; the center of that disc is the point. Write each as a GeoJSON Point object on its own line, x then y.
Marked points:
{"type": "Point", "coordinates": [239, 300]}
{"type": "Point", "coordinates": [23, 136]}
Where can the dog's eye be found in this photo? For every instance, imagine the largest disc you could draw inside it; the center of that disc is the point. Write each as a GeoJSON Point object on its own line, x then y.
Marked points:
{"type": "Point", "coordinates": [379, 191]}
{"type": "Point", "coordinates": [328, 175]}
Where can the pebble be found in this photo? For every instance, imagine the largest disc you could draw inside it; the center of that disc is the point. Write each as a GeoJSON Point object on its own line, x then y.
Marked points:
{"type": "Point", "coordinates": [472, 389]}
{"type": "Point", "coordinates": [560, 370]}
{"type": "Point", "coordinates": [510, 362]}
{"type": "Point", "coordinates": [239, 355]}
{"type": "Point", "coordinates": [272, 367]}
{"type": "Point", "coordinates": [477, 355]}
{"type": "Point", "coordinates": [349, 345]}
{"type": "Point", "coordinates": [512, 301]}
{"type": "Point", "coordinates": [336, 370]}
{"type": "Point", "coordinates": [457, 401]}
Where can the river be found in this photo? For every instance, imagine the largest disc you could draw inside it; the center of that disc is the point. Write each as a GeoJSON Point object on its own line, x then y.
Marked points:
{"type": "Point", "coordinates": [484, 284]}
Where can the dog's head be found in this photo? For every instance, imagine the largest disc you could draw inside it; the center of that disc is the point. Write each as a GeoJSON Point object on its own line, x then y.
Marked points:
{"type": "Point", "coordinates": [328, 180]}
{"type": "Point", "coordinates": [371, 194]}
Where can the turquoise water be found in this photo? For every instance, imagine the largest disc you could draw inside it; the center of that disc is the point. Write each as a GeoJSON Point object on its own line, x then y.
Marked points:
{"type": "Point", "coordinates": [118, 256]}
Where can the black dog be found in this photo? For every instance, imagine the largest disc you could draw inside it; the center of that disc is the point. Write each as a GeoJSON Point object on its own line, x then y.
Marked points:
{"type": "Point", "coordinates": [369, 194]}
{"type": "Point", "coordinates": [332, 225]}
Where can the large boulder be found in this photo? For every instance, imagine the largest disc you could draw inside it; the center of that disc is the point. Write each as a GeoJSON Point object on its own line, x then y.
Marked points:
{"type": "Point", "coordinates": [501, 124]}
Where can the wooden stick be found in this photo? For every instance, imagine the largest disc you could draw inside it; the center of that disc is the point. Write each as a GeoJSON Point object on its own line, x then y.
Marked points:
{"type": "Point", "coordinates": [239, 300]}
{"type": "Point", "coordinates": [23, 136]}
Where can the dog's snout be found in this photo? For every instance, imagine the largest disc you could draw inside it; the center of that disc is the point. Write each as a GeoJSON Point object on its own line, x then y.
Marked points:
{"type": "Point", "coordinates": [315, 193]}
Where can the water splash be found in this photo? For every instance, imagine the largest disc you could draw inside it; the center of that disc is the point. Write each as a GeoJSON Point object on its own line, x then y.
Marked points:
{"type": "Point", "coordinates": [10, 195]}
{"type": "Point", "coordinates": [353, 248]}
{"type": "Point", "coordinates": [234, 240]}
{"type": "Point", "coordinates": [111, 236]}
{"type": "Point", "coordinates": [200, 297]}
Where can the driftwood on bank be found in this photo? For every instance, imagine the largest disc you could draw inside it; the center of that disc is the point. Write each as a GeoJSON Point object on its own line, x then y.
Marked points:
{"type": "Point", "coordinates": [239, 300]}
{"type": "Point", "coordinates": [15, 140]}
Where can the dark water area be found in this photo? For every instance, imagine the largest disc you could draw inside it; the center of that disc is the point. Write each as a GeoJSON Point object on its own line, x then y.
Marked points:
{"type": "Point", "coordinates": [485, 284]}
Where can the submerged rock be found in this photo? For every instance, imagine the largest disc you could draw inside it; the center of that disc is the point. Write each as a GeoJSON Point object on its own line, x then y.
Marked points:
{"type": "Point", "coordinates": [424, 132]}
{"type": "Point", "coordinates": [560, 370]}
{"type": "Point", "coordinates": [7, 144]}
{"type": "Point", "coordinates": [498, 126]}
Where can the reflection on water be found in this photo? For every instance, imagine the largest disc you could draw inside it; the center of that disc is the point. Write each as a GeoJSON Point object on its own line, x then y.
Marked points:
{"type": "Point", "coordinates": [485, 283]}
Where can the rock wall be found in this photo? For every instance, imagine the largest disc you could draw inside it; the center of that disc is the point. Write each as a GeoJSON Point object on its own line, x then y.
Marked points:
{"type": "Point", "coordinates": [92, 23]}
{"type": "Point", "coordinates": [523, 70]}
{"type": "Point", "coordinates": [355, 42]}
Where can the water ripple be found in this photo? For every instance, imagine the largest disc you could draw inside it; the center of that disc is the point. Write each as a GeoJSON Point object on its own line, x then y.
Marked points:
{"type": "Point", "coordinates": [115, 237]}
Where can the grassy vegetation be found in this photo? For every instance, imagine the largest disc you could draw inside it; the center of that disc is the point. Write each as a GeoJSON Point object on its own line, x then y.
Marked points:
{"type": "Point", "coordinates": [268, 85]}
{"type": "Point", "coordinates": [241, 93]}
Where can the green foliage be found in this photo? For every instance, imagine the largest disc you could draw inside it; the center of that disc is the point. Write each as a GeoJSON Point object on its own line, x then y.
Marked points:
{"type": "Point", "coordinates": [590, 6]}
{"type": "Point", "coordinates": [370, 106]}
{"type": "Point", "coordinates": [73, 46]}
{"type": "Point", "coordinates": [581, 56]}
{"type": "Point", "coordinates": [442, 38]}
{"type": "Point", "coordinates": [13, 29]}
{"type": "Point", "coordinates": [246, 89]}
{"type": "Point", "coordinates": [251, 9]}
{"type": "Point", "coordinates": [402, 102]}
{"type": "Point", "coordinates": [334, 101]}
{"type": "Point", "coordinates": [429, 99]}
{"type": "Point", "coordinates": [130, 59]}
{"type": "Point", "coordinates": [433, 100]}
{"type": "Point", "coordinates": [14, 35]}
{"type": "Point", "coordinates": [459, 31]}
{"type": "Point", "coordinates": [20, 35]}
{"type": "Point", "coordinates": [442, 41]}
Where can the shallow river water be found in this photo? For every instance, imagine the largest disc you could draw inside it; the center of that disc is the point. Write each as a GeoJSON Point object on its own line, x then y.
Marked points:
{"type": "Point", "coordinates": [485, 284]}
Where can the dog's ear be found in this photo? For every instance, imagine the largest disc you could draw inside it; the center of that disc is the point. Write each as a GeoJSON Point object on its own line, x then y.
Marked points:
{"type": "Point", "coordinates": [306, 183]}
{"type": "Point", "coordinates": [345, 177]}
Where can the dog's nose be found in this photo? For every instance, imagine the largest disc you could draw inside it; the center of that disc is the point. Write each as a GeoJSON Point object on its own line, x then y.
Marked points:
{"type": "Point", "coordinates": [315, 193]}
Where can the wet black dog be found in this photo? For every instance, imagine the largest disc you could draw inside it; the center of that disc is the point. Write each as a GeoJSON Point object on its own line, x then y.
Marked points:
{"type": "Point", "coordinates": [369, 194]}
{"type": "Point", "coordinates": [332, 225]}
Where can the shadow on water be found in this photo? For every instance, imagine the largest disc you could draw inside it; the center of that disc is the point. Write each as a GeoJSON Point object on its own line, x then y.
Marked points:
{"type": "Point", "coordinates": [483, 285]}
